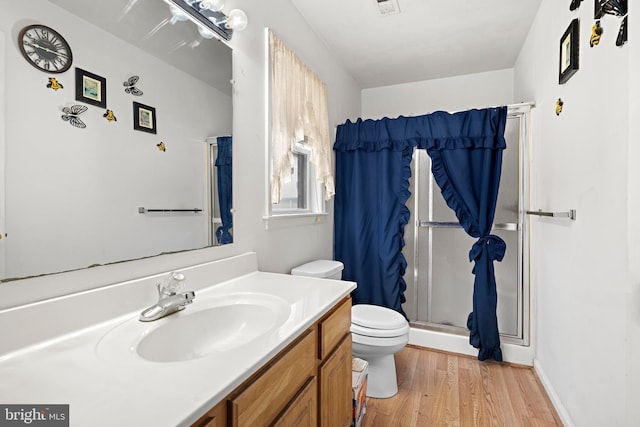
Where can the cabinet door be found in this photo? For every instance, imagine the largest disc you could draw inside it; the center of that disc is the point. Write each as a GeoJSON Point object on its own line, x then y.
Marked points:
{"type": "Point", "coordinates": [303, 410]}
{"type": "Point", "coordinates": [336, 408]}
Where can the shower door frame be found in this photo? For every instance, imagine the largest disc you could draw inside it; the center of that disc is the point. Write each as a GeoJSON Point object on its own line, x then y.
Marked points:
{"type": "Point", "coordinates": [522, 112]}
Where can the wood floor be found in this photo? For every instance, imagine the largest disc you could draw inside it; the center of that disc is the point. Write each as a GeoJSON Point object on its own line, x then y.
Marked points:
{"type": "Point", "coordinates": [444, 389]}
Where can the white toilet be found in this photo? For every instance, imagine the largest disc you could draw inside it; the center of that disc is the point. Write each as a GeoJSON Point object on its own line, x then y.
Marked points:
{"type": "Point", "coordinates": [377, 332]}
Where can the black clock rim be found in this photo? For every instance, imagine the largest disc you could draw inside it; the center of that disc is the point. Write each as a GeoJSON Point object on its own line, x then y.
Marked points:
{"type": "Point", "coordinates": [28, 59]}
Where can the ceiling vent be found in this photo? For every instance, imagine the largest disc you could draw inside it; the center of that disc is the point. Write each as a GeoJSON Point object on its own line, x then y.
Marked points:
{"type": "Point", "coordinates": [388, 7]}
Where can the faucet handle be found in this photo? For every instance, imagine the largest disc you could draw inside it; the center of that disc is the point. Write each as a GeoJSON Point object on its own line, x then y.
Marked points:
{"type": "Point", "coordinates": [173, 284]}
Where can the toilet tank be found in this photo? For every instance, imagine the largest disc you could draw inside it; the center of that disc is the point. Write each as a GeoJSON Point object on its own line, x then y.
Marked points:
{"type": "Point", "coordinates": [325, 269]}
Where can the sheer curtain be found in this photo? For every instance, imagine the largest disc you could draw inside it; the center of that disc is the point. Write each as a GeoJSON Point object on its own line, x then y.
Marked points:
{"type": "Point", "coordinates": [299, 112]}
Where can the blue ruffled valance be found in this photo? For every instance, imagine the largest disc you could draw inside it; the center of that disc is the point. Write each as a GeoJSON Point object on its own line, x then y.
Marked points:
{"type": "Point", "coordinates": [441, 130]}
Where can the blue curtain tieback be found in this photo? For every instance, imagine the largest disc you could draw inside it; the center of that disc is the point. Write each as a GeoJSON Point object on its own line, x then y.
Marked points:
{"type": "Point", "coordinates": [494, 246]}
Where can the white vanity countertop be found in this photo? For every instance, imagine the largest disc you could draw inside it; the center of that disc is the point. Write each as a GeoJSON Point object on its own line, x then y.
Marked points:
{"type": "Point", "coordinates": [131, 391]}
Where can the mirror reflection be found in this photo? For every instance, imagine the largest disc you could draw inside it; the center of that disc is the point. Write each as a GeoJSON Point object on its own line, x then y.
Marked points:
{"type": "Point", "coordinates": [126, 154]}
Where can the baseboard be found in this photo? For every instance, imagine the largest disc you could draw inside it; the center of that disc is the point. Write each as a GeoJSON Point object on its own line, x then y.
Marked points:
{"type": "Point", "coordinates": [512, 353]}
{"type": "Point", "coordinates": [553, 396]}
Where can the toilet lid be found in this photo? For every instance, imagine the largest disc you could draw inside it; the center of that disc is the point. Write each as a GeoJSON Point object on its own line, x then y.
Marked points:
{"type": "Point", "coordinates": [318, 268]}
{"type": "Point", "coordinates": [376, 317]}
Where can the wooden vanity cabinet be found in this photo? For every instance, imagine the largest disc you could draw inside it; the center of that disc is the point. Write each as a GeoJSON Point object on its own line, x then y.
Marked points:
{"type": "Point", "coordinates": [259, 403]}
{"type": "Point", "coordinates": [308, 384]}
{"type": "Point", "coordinates": [336, 406]}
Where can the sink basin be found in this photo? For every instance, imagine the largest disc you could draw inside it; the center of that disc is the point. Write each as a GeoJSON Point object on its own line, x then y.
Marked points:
{"type": "Point", "coordinates": [206, 327]}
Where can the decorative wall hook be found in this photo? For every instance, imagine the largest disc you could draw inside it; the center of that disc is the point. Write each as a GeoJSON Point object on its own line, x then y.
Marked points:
{"type": "Point", "coordinates": [559, 104]}
{"type": "Point", "coordinates": [110, 116]}
{"type": "Point", "coordinates": [54, 84]}
{"type": "Point", "coordinates": [596, 32]}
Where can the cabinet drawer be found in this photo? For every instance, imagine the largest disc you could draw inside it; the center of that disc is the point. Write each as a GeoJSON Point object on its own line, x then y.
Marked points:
{"type": "Point", "coordinates": [303, 410]}
{"type": "Point", "coordinates": [334, 327]}
{"type": "Point", "coordinates": [216, 417]}
{"type": "Point", "coordinates": [259, 403]}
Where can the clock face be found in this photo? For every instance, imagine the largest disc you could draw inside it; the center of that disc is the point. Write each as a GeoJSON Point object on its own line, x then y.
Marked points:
{"type": "Point", "coordinates": [45, 49]}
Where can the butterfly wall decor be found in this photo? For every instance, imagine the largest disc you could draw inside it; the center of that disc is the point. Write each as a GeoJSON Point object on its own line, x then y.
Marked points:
{"type": "Point", "coordinates": [71, 115]}
{"type": "Point", "coordinates": [130, 86]}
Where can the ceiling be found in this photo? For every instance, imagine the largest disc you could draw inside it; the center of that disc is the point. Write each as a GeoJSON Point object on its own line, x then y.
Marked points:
{"type": "Point", "coordinates": [428, 39]}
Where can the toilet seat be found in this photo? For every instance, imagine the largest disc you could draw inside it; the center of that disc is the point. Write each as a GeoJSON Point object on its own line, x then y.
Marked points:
{"type": "Point", "coordinates": [380, 344]}
{"type": "Point", "coordinates": [378, 319]}
{"type": "Point", "coordinates": [379, 333]}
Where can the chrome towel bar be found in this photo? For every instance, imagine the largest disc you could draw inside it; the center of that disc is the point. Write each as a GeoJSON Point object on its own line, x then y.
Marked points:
{"type": "Point", "coordinates": [508, 226]}
{"type": "Point", "coordinates": [571, 214]}
{"type": "Point", "coordinates": [145, 210]}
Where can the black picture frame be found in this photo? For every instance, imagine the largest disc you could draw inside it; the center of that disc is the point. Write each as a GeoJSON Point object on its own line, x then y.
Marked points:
{"type": "Point", "coordinates": [144, 118]}
{"type": "Point", "coordinates": [569, 52]}
{"type": "Point", "coordinates": [91, 88]}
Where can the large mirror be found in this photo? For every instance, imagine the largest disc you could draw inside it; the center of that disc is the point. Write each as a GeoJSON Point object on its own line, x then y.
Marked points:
{"type": "Point", "coordinates": [135, 170]}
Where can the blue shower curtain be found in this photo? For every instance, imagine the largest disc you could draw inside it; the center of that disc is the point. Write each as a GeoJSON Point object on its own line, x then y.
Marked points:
{"type": "Point", "coordinates": [370, 215]}
{"type": "Point", "coordinates": [466, 152]}
{"type": "Point", "coordinates": [225, 193]}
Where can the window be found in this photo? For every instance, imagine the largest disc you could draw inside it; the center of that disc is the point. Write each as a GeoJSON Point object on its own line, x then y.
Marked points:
{"type": "Point", "coordinates": [299, 147]}
{"type": "Point", "coordinates": [294, 196]}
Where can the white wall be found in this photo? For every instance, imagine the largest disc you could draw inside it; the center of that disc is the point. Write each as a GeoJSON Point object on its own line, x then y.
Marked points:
{"type": "Point", "coordinates": [585, 316]}
{"type": "Point", "coordinates": [451, 94]}
{"type": "Point", "coordinates": [633, 213]}
{"type": "Point", "coordinates": [73, 194]}
{"type": "Point", "coordinates": [286, 243]}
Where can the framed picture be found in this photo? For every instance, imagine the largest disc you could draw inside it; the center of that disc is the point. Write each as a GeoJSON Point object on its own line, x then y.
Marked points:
{"type": "Point", "coordinates": [569, 51]}
{"type": "Point", "coordinates": [144, 118]}
{"type": "Point", "coordinates": [91, 88]}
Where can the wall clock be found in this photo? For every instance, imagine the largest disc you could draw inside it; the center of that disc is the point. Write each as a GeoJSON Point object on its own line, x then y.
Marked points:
{"type": "Point", "coordinates": [45, 49]}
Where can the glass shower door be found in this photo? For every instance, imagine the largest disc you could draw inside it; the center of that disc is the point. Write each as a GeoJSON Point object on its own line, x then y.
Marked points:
{"type": "Point", "coordinates": [440, 294]}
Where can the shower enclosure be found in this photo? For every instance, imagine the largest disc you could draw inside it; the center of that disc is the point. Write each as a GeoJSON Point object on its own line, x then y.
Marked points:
{"type": "Point", "coordinates": [439, 278]}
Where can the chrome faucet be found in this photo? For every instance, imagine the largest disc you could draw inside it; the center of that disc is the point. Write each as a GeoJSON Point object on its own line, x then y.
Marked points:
{"type": "Point", "coordinates": [170, 299]}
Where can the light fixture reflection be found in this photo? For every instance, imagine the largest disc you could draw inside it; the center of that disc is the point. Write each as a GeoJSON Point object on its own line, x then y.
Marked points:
{"type": "Point", "coordinates": [177, 15]}
{"type": "Point", "coordinates": [237, 20]}
{"type": "Point", "coordinates": [209, 17]}
{"type": "Point", "coordinates": [205, 32]}
{"type": "Point", "coordinates": [214, 5]}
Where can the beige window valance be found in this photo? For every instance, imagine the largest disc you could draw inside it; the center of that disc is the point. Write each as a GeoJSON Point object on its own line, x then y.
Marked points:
{"type": "Point", "coordinates": [299, 112]}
